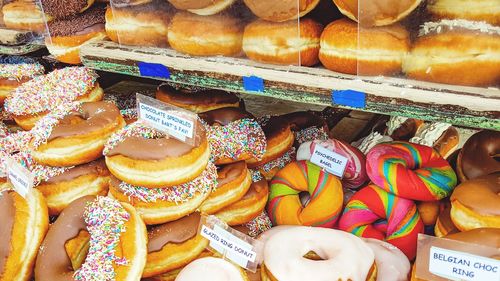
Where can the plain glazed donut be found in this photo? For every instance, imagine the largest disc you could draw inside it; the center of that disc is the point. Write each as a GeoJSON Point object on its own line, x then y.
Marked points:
{"type": "Point", "coordinates": [25, 15]}
{"type": "Point", "coordinates": [355, 172]}
{"type": "Point", "coordinates": [142, 156]}
{"type": "Point", "coordinates": [211, 269]}
{"type": "Point", "coordinates": [474, 203]}
{"type": "Point", "coordinates": [15, 70]}
{"type": "Point", "coordinates": [161, 205]}
{"type": "Point", "coordinates": [109, 225]}
{"type": "Point", "coordinates": [342, 256]}
{"type": "Point", "coordinates": [234, 135]}
{"type": "Point", "coordinates": [24, 223]}
{"type": "Point", "coordinates": [375, 213]}
{"type": "Point", "coordinates": [410, 171]}
{"type": "Point", "coordinates": [233, 181]}
{"type": "Point", "coordinates": [283, 11]}
{"type": "Point", "coordinates": [34, 99]}
{"type": "Point", "coordinates": [392, 264]}
{"type": "Point", "coordinates": [478, 157]}
{"type": "Point", "coordinates": [76, 134]}
{"type": "Point", "coordinates": [325, 205]}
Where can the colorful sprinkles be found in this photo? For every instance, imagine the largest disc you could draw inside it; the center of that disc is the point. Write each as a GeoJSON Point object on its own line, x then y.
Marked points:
{"type": "Point", "coordinates": [16, 67]}
{"type": "Point", "coordinates": [279, 162]}
{"type": "Point", "coordinates": [259, 225]}
{"type": "Point", "coordinates": [105, 219]}
{"type": "Point", "coordinates": [310, 134]}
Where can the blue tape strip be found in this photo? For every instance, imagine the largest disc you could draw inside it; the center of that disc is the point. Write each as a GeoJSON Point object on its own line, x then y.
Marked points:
{"type": "Point", "coordinates": [153, 70]}
{"type": "Point", "coordinates": [253, 84]}
{"type": "Point", "coordinates": [349, 98]}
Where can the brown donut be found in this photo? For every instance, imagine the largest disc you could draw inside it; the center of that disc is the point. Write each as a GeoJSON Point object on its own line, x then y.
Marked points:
{"type": "Point", "coordinates": [479, 155]}
{"type": "Point", "coordinates": [307, 126]}
{"type": "Point", "coordinates": [281, 11]}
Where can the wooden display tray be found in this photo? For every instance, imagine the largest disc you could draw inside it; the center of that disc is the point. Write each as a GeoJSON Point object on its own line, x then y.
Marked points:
{"type": "Point", "coordinates": [465, 106]}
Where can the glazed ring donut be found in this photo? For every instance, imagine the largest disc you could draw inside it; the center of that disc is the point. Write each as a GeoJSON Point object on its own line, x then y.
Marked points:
{"type": "Point", "coordinates": [248, 207]}
{"type": "Point", "coordinates": [233, 181]}
{"type": "Point", "coordinates": [284, 206]}
{"type": "Point", "coordinates": [65, 8]}
{"type": "Point", "coordinates": [342, 256]}
{"type": "Point", "coordinates": [142, 156]}
{"type": "Point", "coordinates": [355, 172]}
{"type": "Point", "coordinates": [87, 179]}
{"type": "Point", "coordinates": [392, 264]}
{"type": "Point", "coordinates": [307, 126]}
{"type": "Point", "coordinates": [198, 101]}
{"type": "Point", "coordinates": [75, 135]}
{"type": "Point", "coordinates": [212, 269]}
{"type": "Point", "coordinates": [34, 99]}
{"type": "Point", "coordinates": [375, 213]}
{"type": "Point", "coordinates": [161, 205]}
{"type": "Point", "coordinates": [234, 135]}
{"type": "Point", "coordinates": [24, 224]}
{"type": "Point", "coordinates": [107, 224]}
{"type": "Point", "coordinates": [14, 71]}
{"type": "Point", "coordinates": [410, 171]}
{"type": "Point", "coordinates": [474, 203]}
{"type": "Point", "coordinates": [173, 245]}
{"type": "Point", "coordinates": [478, 156]}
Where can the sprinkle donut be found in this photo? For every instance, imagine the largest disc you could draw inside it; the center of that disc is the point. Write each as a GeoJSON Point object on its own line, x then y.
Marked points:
{"type": "Point", "coordinates": [324, 207]}
{"type": "Point", "coordinates": [410, 171]}
{"type": "Point", "coordinates": [355, 173]}
{"type": "Point", "coordinates": [15, 70]}
{"type": "Point", "coordinates": [375, 213]}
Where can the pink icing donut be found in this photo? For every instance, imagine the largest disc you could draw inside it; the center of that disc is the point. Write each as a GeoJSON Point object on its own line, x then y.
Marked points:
{"type": "Point", "coordinates": [355, 173]}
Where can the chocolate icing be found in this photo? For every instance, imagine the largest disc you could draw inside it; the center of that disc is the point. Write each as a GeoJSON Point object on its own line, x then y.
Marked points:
{"type": "Point", "coordinates": [304, 119]}
{"type": "Point", "coordinates": [177, 232]}
{"type": "Point", "coordinates": [480, 194]}
{"type": "Point", "coordinates": [97, 167]}
{"type": "Point", "coordinates": [224, 116]}
{"type": "Point", "coordinates": [275, 126]}
{"type": "Point", "coordinates": [7, 217]}
{"type": "Point", "coordinates": [230, 172]}
{"type": "Point", "coordinates": [202, 97]}
{"type": "Point", "coordinates": [93, 17]}
{"type": "Point", "coordinates": [52, 262]}
{"type": "Point", "coordinates": [63, 8]}
{"type": "Point", "coordinates": [480, 154]}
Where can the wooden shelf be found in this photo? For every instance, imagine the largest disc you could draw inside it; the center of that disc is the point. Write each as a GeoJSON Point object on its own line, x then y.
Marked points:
{"type": "Point", "coordinates": [465, 106]}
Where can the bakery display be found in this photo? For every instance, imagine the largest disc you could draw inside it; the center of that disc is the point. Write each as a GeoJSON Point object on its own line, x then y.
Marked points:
{"type": "Point", "coordinates": [14, 71]}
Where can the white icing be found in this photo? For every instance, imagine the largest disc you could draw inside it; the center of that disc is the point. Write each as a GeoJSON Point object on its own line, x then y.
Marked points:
{"type": "Point", "coordinates": [392, 264]}
{"type": "Point", "coordinates": [368, 142]}
{"type": "Point", "coordinates": [210, 269]}
{"type": "Point", "coordinates": [394, 123]}
{"type": "Point", "coordinates": [438, 27]}
{"type": "Point", "coordinates": [345, 256]}
{"type": "Point", "coordinates": [430, 133]}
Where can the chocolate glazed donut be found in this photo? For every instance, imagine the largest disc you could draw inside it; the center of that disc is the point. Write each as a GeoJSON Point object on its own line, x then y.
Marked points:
{"type": "Point", "coordinates": [479, 156]}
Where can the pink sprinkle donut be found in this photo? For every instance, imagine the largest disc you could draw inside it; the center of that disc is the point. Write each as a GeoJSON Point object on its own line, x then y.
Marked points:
{"type": "Point", "coordinates": [355, 173]}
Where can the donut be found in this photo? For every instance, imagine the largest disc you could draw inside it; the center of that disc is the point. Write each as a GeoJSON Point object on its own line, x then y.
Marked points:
{"type": "Point", "coordinates": [392, 264]}
{"type": "Point", "coordinates": [161, 205]}
{"type": "Point", "coordinates": [198, 101]}
{"type": "Point", "coordinates": [367, 143]}
{"type": "Point", "coordinates": [143, 156]}
{"type": "Point", "coordinates": [410, 171]}
{"type": "Point", "coordinates": [307, 126]}
{"type": "Point", "coordinates": [256, 226]}
{"type": "Point", "coordinates": [15, 70]}
{"type": "Point", "coordinates": [284, 206]}
{"type": "Point", "coordinates": [285, 43]}
{"type": "Point", "coordinates": [248, 207]}
{"type": "Point", "coordinates": [35, 98]}
{"type": "Point", "coordinates": [374, 51]}
{"type": "Point", "coordinates": [269, 169]}
{"type": "Point", "coordinates": [478, 156]}
{"type": "Point", "coordinates": [377, 13]}
{"type": "Point", "coordinates": [69, 34]}
{"type": "Point", "coordinates": [210, 268]}
{"type": "Point", "coordinates": [24, 224]}
{"type": "Point", "coordinates": [234, 135]}
{"type": "Point", "coordinates": [4, 130]}
{"type": "Point", "coordinates": [173, 245]}
{"type": "Point", "coordinates": [473, 10]}
{"type": "Point", "coordinates": [144, 25]}
{"type": "Point", "coordinates": [205, 35]}
{"type": "Point", "coordinates": [443, 137]}
{"type": "Point", "coordinates": [429, 212]}
{"type": "Point", "coordinates": [339, 255]}
{"type": "Point", "coordinates": [233, 181]}
{"type": "Point", "coordinates": [127, 3]}
{"type": "Point", "coordinates": [171, 275]}
{"type": "Point", "coordinates": [87, 179]}
{"type": "Point", "coordinates": [355, 172]}
{"type": "Point", "coordinates": [444, 50]}
{"type": "Point", "coordinates": [25, 15]}
{"type": "Point", "coordinates": [375, 213]}
{"type": "Point", "coordinates": [286, 10]}
{"type": "Point", "coordinates": [63, 8]}
{"type": "Point", "coordinates": [474, 203]}
{"type": "Point", "coordinates": [75, 134]}
{"type": "Point", "coordinates": [444, 225]}
{"type": "Point", "coordinates": [402, 128]}
{"type": "Point", "coordinates": [203, 7]}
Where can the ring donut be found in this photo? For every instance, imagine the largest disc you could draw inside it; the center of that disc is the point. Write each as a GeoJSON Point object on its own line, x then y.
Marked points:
{"type": "Point", "coordinates": [14, 71]}
{"type": "Point", "coordinates": [307, 126]}
{"type": "Point", "coordinates": [325, 205]}
{"type": "Point", "coordinates": [410, 171]}
{"type": "Point", "coordinates": [478, 157]}
{"type": "Point", "coordinates": [392, 264]}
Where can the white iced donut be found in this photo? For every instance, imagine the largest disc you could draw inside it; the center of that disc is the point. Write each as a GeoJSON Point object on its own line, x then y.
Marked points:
{"type": "Point", "coordinates": [211, 269]}
{"type": "Point", "coordinates": [392, 264]}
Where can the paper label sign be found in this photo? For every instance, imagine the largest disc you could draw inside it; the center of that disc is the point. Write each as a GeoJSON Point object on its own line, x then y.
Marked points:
{"type": "Point", "coordinates": [332, 162]}
{"type": "Point", "coordinates": [21, 178]}
{"type": "Point", "coordinates": [174, 121]}
{"type": "Point", "coordinates": [231, 244]}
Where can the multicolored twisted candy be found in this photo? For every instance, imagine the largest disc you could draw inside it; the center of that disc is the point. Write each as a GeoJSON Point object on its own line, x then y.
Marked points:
{"type": "Point", "coordinates": [410, 171]}
{"type": "Point", "coordinates": [325, 190]}
{"type": "Point", "coordinates": [375, 213]}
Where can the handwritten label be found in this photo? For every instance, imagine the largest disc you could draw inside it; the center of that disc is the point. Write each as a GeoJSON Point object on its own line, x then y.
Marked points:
{"type": "Point", "coordinates": [21, 178]}
{"type": "Point", "coordinates": [148, 69]}
{"type": "Point", "coordinates": [462, 266]}
{"type": "Point", "coordinates": [349, 98]}
{"type": "Point", "coordinates": [253, 84]}
{"type": "Point", "coordinates": [332, 162]}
